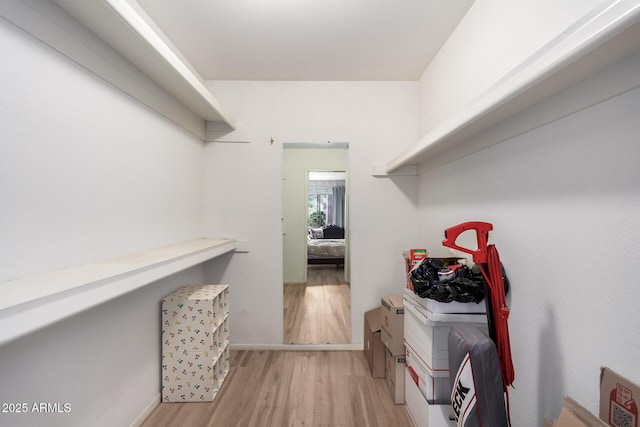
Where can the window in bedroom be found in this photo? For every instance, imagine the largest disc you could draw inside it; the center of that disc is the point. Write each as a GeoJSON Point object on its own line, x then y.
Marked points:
{"type": "Point", "coordinates": [325, 199]}
{"type": "Point", "coordinates": [318, 214]}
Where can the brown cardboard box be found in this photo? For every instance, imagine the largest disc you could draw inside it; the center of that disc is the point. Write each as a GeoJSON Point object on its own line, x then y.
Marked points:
{"type": "Point", "coordinates": [582, 414]}
{"type": "Point", "coordinates": [569, 419]}
{"type": "Point", "coordinates": [573, 414]}
{"type": "Point", "coordinates": [373, 347]}
{"type": "Point", "coordinates": [394, 371]}
{"type": "Point", "coordinates": [392, 315]}
{"type": "Point", "coordinates": [618, 399]}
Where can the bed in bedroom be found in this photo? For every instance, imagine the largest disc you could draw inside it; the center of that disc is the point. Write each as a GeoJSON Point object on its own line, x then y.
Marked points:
{"type": "Point", "coordinates": [325, 245]}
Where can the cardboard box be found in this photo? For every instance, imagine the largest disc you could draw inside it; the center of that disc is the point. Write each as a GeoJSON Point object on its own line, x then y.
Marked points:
{"type": "Point", "coordinates": [392, 315]}
{"type": "Point", "coordinates": [421, 412]}
{"type": "Point", "coordinates": [575, 415]}
{"type": "Point", "coordinates": [394, 376]}
{"type": "Point", "coordinates": [413, 257]}
{"type": "Point", "coordinates": [373, 347]}
{"type": "Point", "coordinates": [618, 399]}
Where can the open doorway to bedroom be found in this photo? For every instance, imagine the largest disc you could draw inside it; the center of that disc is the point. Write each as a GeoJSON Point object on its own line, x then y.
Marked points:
{"type": "Point", "coordinates": [317, 295]}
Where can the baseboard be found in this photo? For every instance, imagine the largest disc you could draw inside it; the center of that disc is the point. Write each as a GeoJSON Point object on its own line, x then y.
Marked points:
{"type": "Point", "coordinates": [299, 347]}
{"type": "Point", "coordinates": [146, 411]}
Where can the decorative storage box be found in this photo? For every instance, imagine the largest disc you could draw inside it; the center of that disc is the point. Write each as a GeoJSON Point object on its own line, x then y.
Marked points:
{"type": "Point", "coordinates": [195, 343]}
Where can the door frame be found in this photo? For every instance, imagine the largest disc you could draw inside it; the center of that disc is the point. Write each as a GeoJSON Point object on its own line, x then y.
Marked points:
{"type": "Point", "coordinates": [347, 229]}
{"type": "Point", "coordinates": [286, 224]}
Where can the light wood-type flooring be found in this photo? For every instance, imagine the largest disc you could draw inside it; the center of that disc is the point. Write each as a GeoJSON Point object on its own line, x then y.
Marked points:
{"type": "Point", "coordinates": [291, 388]}
{"type": "Point", "coordinates": [318, 312]}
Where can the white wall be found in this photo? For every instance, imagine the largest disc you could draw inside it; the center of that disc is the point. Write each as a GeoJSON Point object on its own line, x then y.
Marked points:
{"type": "Point", "coordinates": [565, 206]}
{"type": "Point", "coordinates": [377, 120]}
{"type": "Point", "coordinates": [494, 37]}
{"type": "Point", "coordinates": [563, 200]}
{"type": "Point", "coordinates": [296, 163]}
{"type": "Point", "coordinates": [87, 173]}
{"type": "Point", "coordinates": [104, 362]}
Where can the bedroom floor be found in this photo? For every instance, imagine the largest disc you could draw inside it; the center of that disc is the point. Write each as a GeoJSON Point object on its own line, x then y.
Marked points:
{"type": "Point", "coordinates": [318, 312]}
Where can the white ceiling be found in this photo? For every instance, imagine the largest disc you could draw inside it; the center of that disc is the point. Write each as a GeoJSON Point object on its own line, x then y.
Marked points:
{"type": "Point", "coordinates": [307, 39]}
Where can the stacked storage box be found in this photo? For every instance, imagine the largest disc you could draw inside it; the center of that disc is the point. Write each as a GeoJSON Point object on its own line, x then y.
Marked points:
{"type": "Point", "coordinates": [426, 329]}
{"type": "Point", "coordinates": [374, 350]}
{"type": "Point", "coordinates": [195, 343]}
{"type": "Point", "coordinates": [392, 333]}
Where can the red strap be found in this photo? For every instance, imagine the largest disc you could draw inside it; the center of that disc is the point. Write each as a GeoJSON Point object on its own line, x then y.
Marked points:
{"type": "Point", "coordinates": [499, 317]}
{"type": "Point", "coordinates": [500, 314]}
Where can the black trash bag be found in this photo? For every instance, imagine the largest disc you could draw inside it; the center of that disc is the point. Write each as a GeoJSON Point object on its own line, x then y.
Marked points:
{"type": "Point", "coordinates": [440, 292]}
{"type": "Point", "coordinates": [465, 286]}
{"type": "Point", "coordinates": [477, 277]}
{"type": "Point", "coordinates": [424, 277]}
{"type": "Point", "coordinates": [466, 290]}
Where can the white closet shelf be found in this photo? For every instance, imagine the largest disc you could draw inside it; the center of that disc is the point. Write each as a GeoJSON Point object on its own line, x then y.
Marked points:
{"type": "Point", "coordinates": [129, 30]}
{"type": "Point", "coordinates": [603, 37]}
{"type": "Point", "coordinates": [33, 302]}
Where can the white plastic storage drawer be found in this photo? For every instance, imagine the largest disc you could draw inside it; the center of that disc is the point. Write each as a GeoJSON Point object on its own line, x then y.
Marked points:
{"type": "Point", "coordinates": [435, 389]}
{"type": "Point", "coordinates": [428, 338]}
{"type": "Point", "coordinates": [421, 412]}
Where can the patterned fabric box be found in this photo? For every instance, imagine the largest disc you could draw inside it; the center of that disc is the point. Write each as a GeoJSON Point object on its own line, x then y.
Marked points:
{"type": "Point", "coordinates": [195, 343]}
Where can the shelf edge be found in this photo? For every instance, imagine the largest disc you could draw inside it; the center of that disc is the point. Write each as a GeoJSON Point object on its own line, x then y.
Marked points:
{"type": "Point", "coordinates": [139, 25]}
{"type": "Point", "coordinates": [131, 33]}
{"type": "Point", "coordinates": [583, 38]}
{"type": "Point", "coordinates": [25, 312]}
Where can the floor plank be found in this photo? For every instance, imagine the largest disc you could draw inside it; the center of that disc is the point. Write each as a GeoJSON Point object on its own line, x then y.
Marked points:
{"type": "Point", "coordinates": [291, 388]}
{"type": "Point", "coordinates": [319, 311]}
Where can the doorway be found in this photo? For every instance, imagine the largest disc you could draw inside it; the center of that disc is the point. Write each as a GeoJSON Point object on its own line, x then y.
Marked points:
{"type": "Point", "coordinates": [317, 296]}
